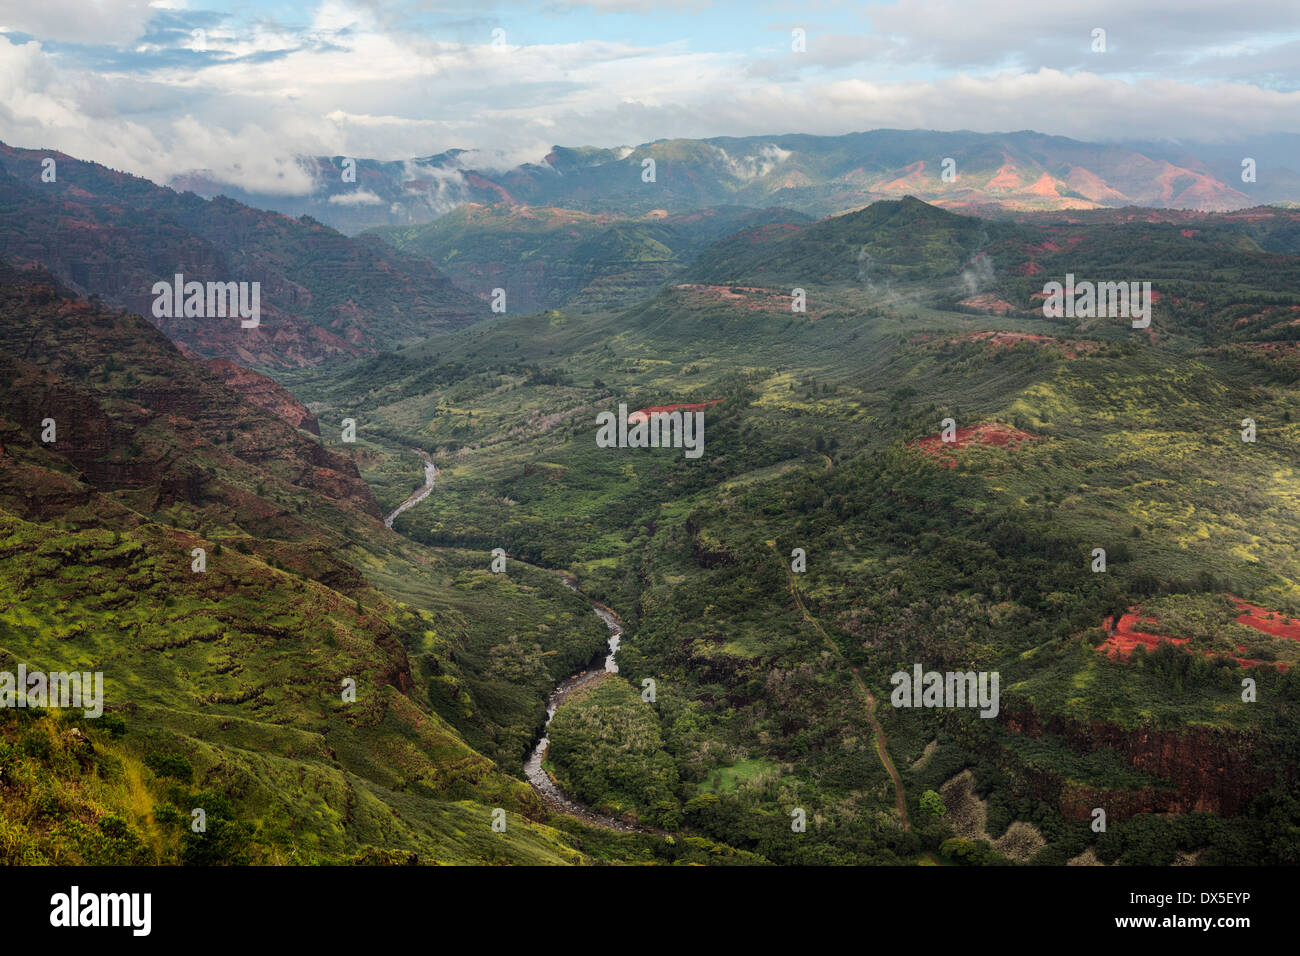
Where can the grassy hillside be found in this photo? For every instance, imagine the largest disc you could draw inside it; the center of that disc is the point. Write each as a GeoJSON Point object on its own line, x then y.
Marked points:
{"type": "Point", "coordinates": [560, 258]}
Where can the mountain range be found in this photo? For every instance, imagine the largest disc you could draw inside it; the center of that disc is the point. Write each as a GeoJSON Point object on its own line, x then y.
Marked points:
{"type": "Point", "coordinates": [814, 175]}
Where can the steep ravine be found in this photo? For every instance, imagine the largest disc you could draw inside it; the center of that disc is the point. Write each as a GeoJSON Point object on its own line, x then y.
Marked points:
{"type": "Point", "coordinates": [540, 780]}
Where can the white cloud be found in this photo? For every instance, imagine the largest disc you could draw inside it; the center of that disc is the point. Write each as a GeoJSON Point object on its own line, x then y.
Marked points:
{"type": "Point", "coordinates": [757, 165]}
{"type": "Point", "coordinates": [971, 33]}
{"type": "Point", "coordinates": [359, 197]}
{"type": "Point", "coordinates": [78, 21]}
{"type": "Point", "coordinates": [349, 84]}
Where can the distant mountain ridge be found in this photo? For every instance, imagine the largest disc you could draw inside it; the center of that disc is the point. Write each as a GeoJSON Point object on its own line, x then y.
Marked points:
{"type": "Point", "coordinates": [814, 175]}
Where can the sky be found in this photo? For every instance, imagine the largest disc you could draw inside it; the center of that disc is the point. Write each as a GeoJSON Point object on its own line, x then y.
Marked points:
{"type": "Point", "coordinates": [239, 90]}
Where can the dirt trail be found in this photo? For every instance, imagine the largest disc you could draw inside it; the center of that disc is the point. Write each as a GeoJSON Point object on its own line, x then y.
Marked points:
{"type": "Point", "coordinates": [899, 799]}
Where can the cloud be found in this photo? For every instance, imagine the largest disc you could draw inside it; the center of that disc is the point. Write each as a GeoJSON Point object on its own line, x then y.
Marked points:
{"type": "Point", "coordinates": [1153, 36]}
{"type": "Point", "coordinates": [439, 189]}
{"type": "Point", "coordinates": [79, 21]}
{"type": "Point", "coordinates": [359, 197]}
{"type": "Point", "coordinates": [631, 6]}
{"type": "Point", "coordinates": [757, 165]}
{"type": "Point", "coordinates": [352, 80]}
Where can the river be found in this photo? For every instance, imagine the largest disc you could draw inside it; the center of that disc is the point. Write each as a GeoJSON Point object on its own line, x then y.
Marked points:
{"type": "Point", "coordinates": [540, 780]}
{"type": "Point", "coordinates": [430, 473]}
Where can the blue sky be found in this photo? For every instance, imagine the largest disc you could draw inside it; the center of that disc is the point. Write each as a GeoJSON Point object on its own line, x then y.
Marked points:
{"type": "Point", "coordinates": [129, 83]}
{"type": "Point", "coordinates": [702, 26]}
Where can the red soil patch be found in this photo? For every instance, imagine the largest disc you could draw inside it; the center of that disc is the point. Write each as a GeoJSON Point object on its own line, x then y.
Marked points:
{"type": "Point", "coordinates": [643, 413]}
{"type": "Point", "coordinates": [988, 302]}
{"type": "Point", "coordinates": [1012, 339]}
{"type": "Point", "coordinates": [1134, 628]}
{"type": "Point", "coordinates": [911, 177]}
{"type": "Point", "coordinates": [725, 291]}
{"type": "Point", "coordinates": [1089, 184]}
{"type": "Point", "coordinates": [1054, 245]}
{"type": "Point", "coordinates": [1257, 617]}
{"type": "Point", "coordinates": [1247, 319]}
{"type": "Point", "coordinates": [1046, 186]}
{"type": "Point", "coordinates": [478, 182]}
{"type": "Point", "coordinates": [1005, 177]}
{"type": "Point", "coordinates": [992, 433]}
{"type": "Point", "coordinates": [1124, 636]}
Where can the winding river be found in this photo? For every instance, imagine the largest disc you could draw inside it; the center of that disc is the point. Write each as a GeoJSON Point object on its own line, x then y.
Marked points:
{"type": "Point", "coordinates": [430, 473]}
{"type": "Point", "coordinates": [541, 781]}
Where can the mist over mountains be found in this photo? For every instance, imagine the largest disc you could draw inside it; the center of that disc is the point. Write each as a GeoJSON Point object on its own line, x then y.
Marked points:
{"type": "Point", "coordinates": [599, 230]}
{"type": "Point", "coordinates": [814, 175]}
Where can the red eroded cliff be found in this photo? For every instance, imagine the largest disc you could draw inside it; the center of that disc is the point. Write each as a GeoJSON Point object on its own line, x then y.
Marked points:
{"type": "Point", "coordinates": [1208, 768]}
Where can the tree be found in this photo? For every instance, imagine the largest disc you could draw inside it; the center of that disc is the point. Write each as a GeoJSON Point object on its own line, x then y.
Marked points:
{"type": "Point", "coordinates": [932, 804]}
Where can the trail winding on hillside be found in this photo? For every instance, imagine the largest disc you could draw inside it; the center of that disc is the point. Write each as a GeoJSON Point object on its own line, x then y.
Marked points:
{"type": "Point", "coordinates": [899, 798]}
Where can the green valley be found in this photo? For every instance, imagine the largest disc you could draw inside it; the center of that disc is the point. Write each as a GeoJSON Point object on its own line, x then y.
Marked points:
{"type": "Point", "coordinates": [1077, 435]}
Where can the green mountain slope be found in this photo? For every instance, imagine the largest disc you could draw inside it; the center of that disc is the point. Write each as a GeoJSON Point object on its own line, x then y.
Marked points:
{"type": "Point", "coordinates": [552, 258]}
{"type": "Point", "coordinates": [891, 240]}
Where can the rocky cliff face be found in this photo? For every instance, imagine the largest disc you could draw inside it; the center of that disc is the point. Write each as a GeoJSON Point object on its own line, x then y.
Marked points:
{"type": "Point", "coordinates": [265, 393]}
{"type": "Point", "coordinates": [131, 415]}
{"type": "Point", "coordinates": [1207, 768]}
